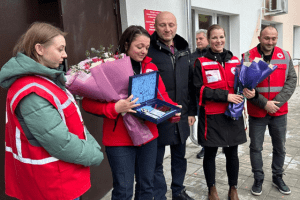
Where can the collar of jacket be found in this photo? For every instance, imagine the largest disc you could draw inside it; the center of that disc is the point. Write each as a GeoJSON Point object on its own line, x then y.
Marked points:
{"type": "Point", "coordinates": [22, 65]}
{"type": "Point", "coordinates": [262, 53]}
{"type": "Point", "coordinates": [203, 51]}
{"type": "Point", "coordinates": [146, 60]}
{"type": "Point", "coordinates": [213, 56]}
{"type": "Point", "coordinates": [179, 42]}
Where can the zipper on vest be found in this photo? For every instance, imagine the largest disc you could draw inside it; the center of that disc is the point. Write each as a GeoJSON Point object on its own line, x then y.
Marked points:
{"type": "Point", "coordinates": [269, 81]}
{"type": "Point", "coordinates": [262, 56]}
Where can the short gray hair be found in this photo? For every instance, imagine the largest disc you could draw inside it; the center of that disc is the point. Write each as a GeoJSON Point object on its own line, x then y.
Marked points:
{"type": "Point", "coordinates": [204, 31]}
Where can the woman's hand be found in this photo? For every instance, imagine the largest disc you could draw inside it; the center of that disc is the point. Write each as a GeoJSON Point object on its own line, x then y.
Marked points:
{"type": "Point", "coordinates": [249, 94]}
{"type": "Point", "coordinates": [126, 105]}
{"type": "Point", "coordinates": [235, 98]}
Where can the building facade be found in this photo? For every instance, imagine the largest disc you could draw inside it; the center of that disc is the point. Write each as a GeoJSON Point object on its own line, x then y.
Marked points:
{"type": "Point", "coordinates": [242, 20]}
{"type": "Point", "coordinates": [94, 22]}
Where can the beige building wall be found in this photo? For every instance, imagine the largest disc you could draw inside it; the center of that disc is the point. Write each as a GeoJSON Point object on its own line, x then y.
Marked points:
{"type": "Point", "coordinates": [288, 22]}
{"type": "Point", "coordinates": [255, 41]}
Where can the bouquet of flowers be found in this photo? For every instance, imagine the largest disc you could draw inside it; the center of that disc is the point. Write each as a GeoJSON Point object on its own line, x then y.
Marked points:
{"type": "Point", "coordinates": [248, 75]}
{"type": "Point", "coordinates": [252, 73]}
{"type": "Point", "coordinates": [106, 78]}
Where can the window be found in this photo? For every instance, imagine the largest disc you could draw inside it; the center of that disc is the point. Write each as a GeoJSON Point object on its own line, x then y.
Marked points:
{"type": "Point", "coordinates": [296, 43]}
{"type": "Point", "coordinates": [202, 20]}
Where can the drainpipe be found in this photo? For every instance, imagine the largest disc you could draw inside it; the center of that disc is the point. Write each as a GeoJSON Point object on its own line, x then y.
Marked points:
{"type": "Point", "coordinates": [194, 128]}
{"type": "Point", "coordinates": [262, 13]}
{"type": "Point", "coordinates": [189, 23]}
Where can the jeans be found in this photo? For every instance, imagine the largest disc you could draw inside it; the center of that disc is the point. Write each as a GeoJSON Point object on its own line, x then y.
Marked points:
{"type": "Point", "coordinates": [127, 162]}
{"type": "Point", "coordinates": [178, 170]}
{"type": "Point", "coordinates": [277, 130]}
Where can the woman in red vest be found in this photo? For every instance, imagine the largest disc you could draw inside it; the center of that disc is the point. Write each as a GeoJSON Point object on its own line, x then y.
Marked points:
{"type": "Point", "coordinates": [48, 150]}
{"type": "Point", "coordinates": [214, 79]}
{"type": "Point", "coordinates": [129, 162]}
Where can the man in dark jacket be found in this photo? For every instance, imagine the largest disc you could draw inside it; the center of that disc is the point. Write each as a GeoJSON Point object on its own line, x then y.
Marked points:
{"type": "Point", "coordinates": [202, 48]}
{"type": "Point", "coordinates": [267, 106]}
{"type": "Point", "coordinates": [202, 45]}
{"type": "Point", "coordinates": [171, 55]}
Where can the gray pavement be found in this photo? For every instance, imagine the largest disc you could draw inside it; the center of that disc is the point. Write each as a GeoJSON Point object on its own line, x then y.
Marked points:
{"type": "Point", "coordinates": [195, 180]}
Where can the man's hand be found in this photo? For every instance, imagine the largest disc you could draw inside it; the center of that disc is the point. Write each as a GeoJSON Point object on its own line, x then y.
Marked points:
{"type": "Point", "coordinates": [176, 118]}
{"type": "Point", "coordinates": [191, 120]}
{"type": "Point", "coordinates": [178, 114]}
{"type": "Point", "coordinates": [271, 106]}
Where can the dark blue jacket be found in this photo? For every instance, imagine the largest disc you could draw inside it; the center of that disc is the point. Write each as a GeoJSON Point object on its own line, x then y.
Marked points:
{"type": "Point", "coordinates": [198, 53]}
{"type": "Point", "coordinates": [177, 74]}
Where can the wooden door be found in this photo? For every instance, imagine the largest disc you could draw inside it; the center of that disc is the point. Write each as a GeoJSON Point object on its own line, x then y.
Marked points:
{"type": "Point", "coordinates": [89, 24]}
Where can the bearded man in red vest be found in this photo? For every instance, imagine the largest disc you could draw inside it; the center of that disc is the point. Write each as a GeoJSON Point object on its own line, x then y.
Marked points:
{"type": "Point", "coordinates": [267, 106]}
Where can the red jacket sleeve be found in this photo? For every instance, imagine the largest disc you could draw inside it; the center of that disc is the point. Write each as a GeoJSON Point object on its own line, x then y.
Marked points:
{"type": "Point", "coordinates": [99, 108]}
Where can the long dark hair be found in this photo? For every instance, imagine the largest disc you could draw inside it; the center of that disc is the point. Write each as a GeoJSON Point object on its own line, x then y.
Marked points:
{"type": "Point", "coordinates": [129, 36]}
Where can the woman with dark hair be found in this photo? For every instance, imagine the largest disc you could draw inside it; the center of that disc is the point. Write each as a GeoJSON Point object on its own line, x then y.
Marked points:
{"type": "Point", "coordinates": [47, 148]}
{"type": "Point", "coordinates": [126, 160]}
{"type": "Point", "coordinates": [214, 79]}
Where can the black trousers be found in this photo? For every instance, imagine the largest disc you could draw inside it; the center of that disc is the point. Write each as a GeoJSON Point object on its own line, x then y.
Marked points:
{"type": "Point", "coordinates": [232, 165]}
{"type": "Point", "coordinates": [178, 171]}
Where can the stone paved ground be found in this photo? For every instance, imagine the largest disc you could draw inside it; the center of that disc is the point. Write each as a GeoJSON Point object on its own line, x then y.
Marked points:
{"type": "Point", "coordinates": [195, 181]}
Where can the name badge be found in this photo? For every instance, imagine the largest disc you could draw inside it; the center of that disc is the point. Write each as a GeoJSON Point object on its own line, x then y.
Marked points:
{"type": "Point", "coordinates": [213, 76]}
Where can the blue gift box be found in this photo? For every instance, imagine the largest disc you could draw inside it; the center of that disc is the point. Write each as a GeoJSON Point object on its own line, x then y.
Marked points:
{"type": "Point", "coordinates": [144, 87]}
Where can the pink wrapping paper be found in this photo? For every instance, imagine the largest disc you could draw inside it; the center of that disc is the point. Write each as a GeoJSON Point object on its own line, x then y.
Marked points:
{"type": "Point", "coordinates": [113, 78]}
{"type": "Point", "coordinates": [138, 132]}
{"type": "Point", "coordinates": [83, 84]}
{"type": "Point", "coordinates": [109, 82]}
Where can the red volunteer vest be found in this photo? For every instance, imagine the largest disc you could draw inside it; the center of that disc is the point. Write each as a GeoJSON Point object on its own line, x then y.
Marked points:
{"type": "Point", "coordinates": [215, 76]}
{"type": "Point", "coordinates": [30, 171]}
{"type": "Point", "coordinates": [277, 79]}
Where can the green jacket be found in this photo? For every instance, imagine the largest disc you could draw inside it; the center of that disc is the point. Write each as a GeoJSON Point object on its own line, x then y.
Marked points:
{"type": "Point", "coordinates": [40, 120]}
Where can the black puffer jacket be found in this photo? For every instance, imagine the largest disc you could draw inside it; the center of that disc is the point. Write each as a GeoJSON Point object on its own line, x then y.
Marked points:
{"type": "Point", "coordinates": [177, 74]}
{"type": "Point", "coordinates": [222, 131]}
{"type": "Point", "coordinates": [198, 53]}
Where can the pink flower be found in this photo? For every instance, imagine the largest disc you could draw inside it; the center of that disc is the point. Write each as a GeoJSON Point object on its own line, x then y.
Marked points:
{"type": "Point", "coordinates": [96, 60]}
{"type": "Point", "coordinates": [87, 66]}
